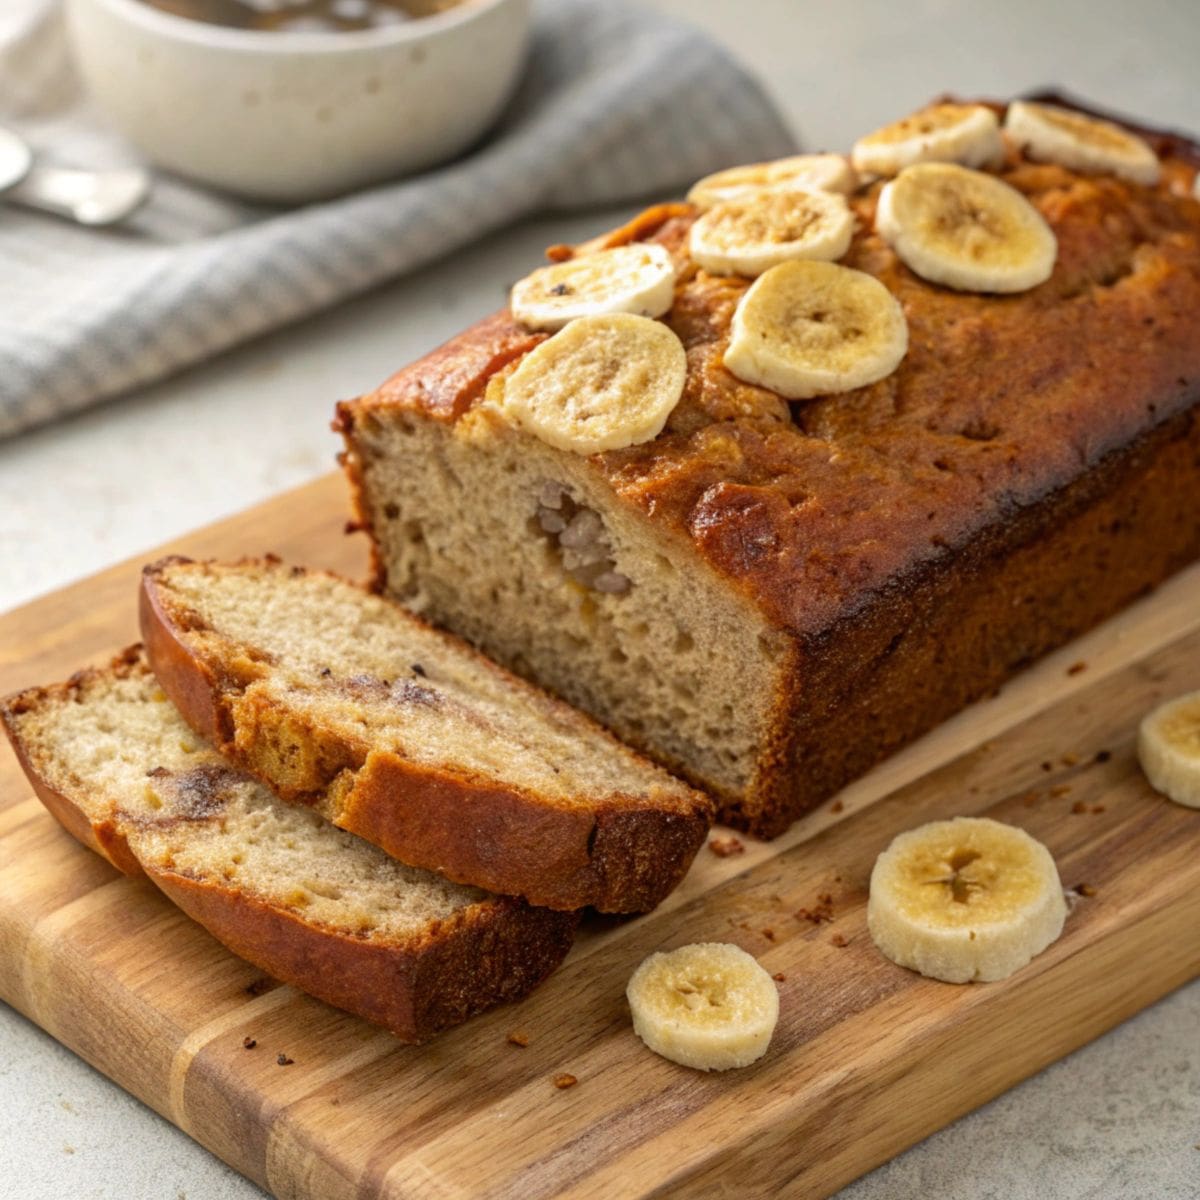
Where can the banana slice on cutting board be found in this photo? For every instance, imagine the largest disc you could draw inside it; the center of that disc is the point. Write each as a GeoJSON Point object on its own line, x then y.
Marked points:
{"type": "Point", "coordinates": [961, 133]}
{"type": "Point", "coordinates": [966, 899]}
{"type": "Point", "coordinates": [808, 329]}
{"type": "Point", "coordinates": [965, 230]}
{"type": "Point", "coordinates": [638, 278]}
{"type": "Point", "coordinates": [749, 236]}
{"type": "Point", "coordinates": [1082, 143]}
{"type": "Point", "coordinates": [1169, 749]}
{"type": "Point", "coordinates": [601, 383]}
{"type": "Point", "coordinates": [709, 1006]}
{"type": "Point", "coordinates": [806, 172]}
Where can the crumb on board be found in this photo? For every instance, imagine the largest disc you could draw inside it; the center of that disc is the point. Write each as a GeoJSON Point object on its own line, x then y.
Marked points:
{"type": "Point", "coordinates": [1046, 766]}
{"type": "Point", "coordinates": [820, 912]}
{"type": "Point", "coordinates": [1103, 756]}
{"type": "Point", "coordinates": [518, 1038]}
{"type": "Point", "coordinates": [564, 1081]}
{"type": "Point", "coordinates": [1070, 760]}
{"type": "Point", "coordinates": [1079, 807]}
{"type": "Point", "coordinates": [1085, 889]}
{"type": "Point", "coordinates": [726, 846]}
{"type": "Point", "coordinates": [779, 977]}
{"type": "Point", "coordinates": [769, 934]}
{"type": "Point", "coordinates": [248, 1043]}
{"type": "Point", "coordinates": [840, 940]}
{"type": "Point", "coordinates": [1077, 668]}
{"type": "Point", "coordinates": [282, 1059]}
{"type": "Point", "coordinates": [1097, 808]}
{"type": "Point", "coordinates": [1061, 790]}
{"type": "Point", "coordinates": [837, 806]}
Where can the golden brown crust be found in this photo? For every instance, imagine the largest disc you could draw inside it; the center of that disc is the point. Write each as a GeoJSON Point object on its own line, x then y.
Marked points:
{"type": "Point", "coordinates": [492, 953]}
{"type": "Point", "coordinates": [621, 857]}
{"type": "Point", "coordinates": [185, 678]}
{"type": "Point", "coordinates": [953, 634]}
{"type": "Point", "coordinates": [617, 853]}
{"type": "Point", "coordinates": [445, 383]}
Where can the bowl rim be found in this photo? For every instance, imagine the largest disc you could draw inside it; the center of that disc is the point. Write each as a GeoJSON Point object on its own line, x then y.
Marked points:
{"type": "Point", "coordinates": [203, 33]}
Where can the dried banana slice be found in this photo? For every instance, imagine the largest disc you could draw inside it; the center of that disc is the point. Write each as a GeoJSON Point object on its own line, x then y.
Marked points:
{"type": "Point", "coordinates": [1082, 143]}
{"type": "Point", "coordinates": [638, 278]}
{"type": "Point", "coordinates": [962, 133]}
{"type": "Point", "coordinates": [965, 229]}
{"type": "Point", "coordinates": [708, 1005]}
{"type": "Point", "coordinates": [747, 237]}
{"type": "Point", "coordinates": [806, 172]}
{"type": "Point", "coordinates": [1169, 749]}
{"type": "Point", "coordinates": [808, 329]}
{"type": "Point", "coordinates": [963, 900]}
{"type": "Point", "coordinates": [601, 383]}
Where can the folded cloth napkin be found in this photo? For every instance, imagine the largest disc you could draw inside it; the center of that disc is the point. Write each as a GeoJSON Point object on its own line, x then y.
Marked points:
{"type": "Point", "coordinates": [616, 102]}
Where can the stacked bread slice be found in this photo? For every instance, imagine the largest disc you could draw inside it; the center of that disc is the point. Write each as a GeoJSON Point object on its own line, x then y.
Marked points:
{"type": "Point", "coordinates": [303, 703]}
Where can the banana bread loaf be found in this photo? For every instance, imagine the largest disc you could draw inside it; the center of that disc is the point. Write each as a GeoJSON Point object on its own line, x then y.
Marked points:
{"type": "Point", "coordinates": [316, 907]}
{"type": "Point", "coordinates": [773, 593]}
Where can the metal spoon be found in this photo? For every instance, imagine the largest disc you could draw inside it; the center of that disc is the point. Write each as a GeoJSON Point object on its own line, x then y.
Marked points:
{"type": "Point", "coordinates": [87, 197]}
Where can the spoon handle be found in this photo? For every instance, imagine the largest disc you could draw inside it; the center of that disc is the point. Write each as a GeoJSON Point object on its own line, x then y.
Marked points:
{"type": "Point", "coordinates": [87, 197]}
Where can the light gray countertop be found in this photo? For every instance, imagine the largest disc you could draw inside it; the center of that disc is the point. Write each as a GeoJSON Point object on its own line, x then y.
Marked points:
{"type": "Point", "coordinates": [1120, 1118]}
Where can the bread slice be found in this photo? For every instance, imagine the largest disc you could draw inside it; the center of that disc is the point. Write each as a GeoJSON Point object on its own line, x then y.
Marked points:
{"type": "Point", "coordinates": [310, 904]}
{"type": "Point", "coordinates": [406, 736]}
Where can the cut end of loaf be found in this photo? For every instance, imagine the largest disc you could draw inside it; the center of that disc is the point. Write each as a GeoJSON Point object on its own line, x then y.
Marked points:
{"type": "Point", "coordinates": [526, 552]}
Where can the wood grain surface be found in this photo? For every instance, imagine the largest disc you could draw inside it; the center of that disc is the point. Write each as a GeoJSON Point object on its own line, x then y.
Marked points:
{"type": "Point", "coordinates": [867, 1059]}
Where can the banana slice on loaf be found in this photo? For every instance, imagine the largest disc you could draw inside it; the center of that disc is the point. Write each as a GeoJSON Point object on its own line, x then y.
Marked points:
{"type": "Point", "coordinates": [311, 905]}
{"type": "Point", "coordinates": [1083, 143]}
{"type": "Point", "coordinates": [638, 278]}
{"type": "Point", "coordinates": [966, 899]}
{"type": "Point", "coordinates": [808, 329]}
{"type": "Point", "coordinates": [965, 230]}
{"type": "Point", "coordinates": [602, 383]}
{"type": "Point", "coordinates": [805, 172]}
{"type": "Point", "coordinates": [961, 133]}
{"type": "Point", "coordinates": [348, 703]}
{"type": "Point", "coordinates": [708, 1005]}
{"type": "Point", "coordinates": [749, 236]}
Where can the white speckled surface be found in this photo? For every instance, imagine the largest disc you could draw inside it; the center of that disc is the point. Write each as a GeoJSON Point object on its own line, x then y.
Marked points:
{"type": "Point", "coordinates": [1121, 1118]}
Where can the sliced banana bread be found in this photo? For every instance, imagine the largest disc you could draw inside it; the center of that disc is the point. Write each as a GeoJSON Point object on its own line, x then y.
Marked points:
{"type": "Point", "coordinates": [314, 906]}
{"type": "Point", "coordinates": [406, 736]}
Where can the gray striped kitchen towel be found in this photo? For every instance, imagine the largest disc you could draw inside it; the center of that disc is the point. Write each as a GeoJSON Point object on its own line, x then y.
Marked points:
{"type": "Point", "coordinates": [616, 102]}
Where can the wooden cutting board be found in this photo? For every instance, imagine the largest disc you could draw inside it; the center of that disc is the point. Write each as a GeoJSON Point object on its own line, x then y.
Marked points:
{"type": "Point", "coordinates": [867, 1058]}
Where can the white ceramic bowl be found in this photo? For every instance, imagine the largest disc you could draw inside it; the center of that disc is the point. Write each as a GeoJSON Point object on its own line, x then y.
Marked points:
{"type": "Point", "coordinates": [299, 116]}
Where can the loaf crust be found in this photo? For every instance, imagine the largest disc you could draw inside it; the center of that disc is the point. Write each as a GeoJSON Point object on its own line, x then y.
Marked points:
{"type": "Point", "coordinates": [1045, 441]}
{"type": "Point", "coordinates": [620, 853]}
{"type": "Point", "coordinates": [487, 953]}
{"type": "Point", "coordinates": [493, 953]}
